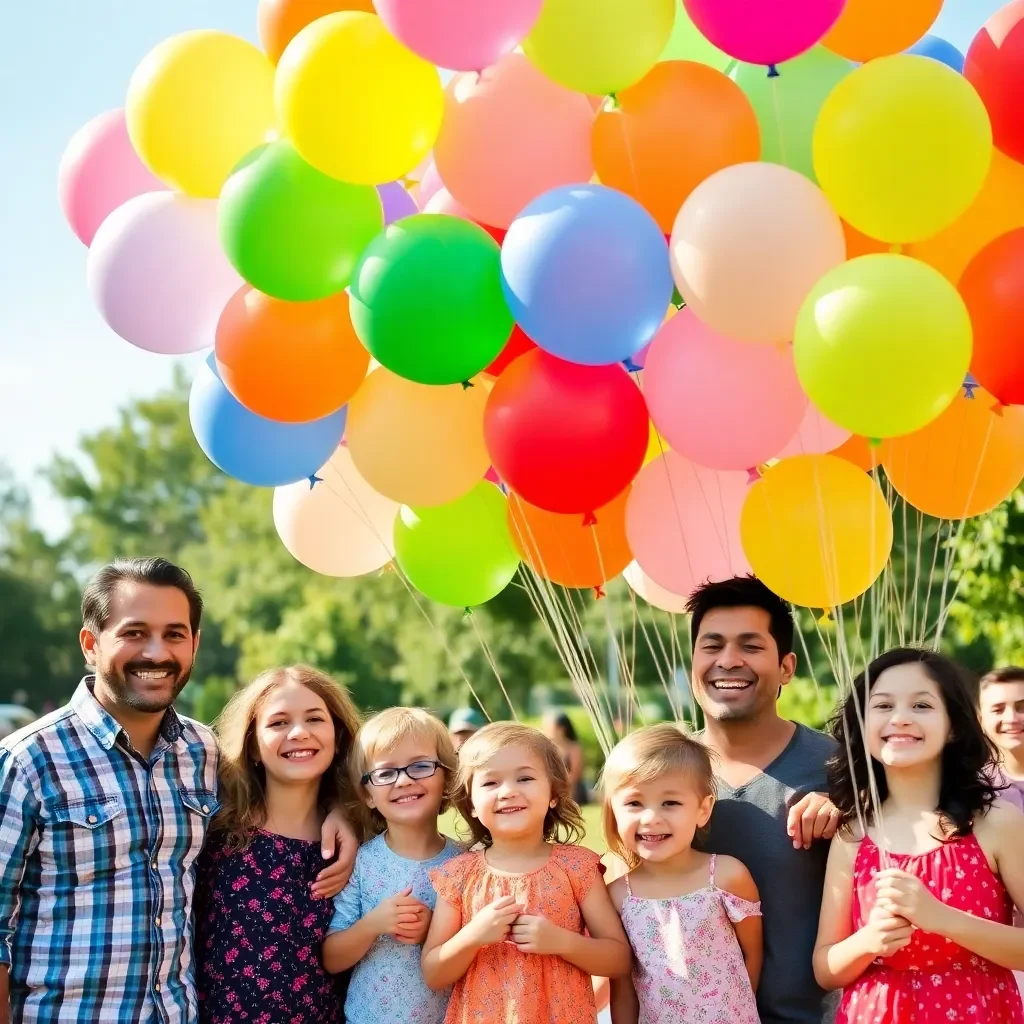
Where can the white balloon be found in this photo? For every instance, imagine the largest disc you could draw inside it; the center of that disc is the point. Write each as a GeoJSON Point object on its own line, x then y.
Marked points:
{"type": "Point", "coordinates": [340, 526]}
{"type": "Point", "coordinates": [643, 586]}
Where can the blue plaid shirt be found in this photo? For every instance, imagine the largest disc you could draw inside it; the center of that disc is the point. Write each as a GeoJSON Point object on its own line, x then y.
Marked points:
{"type": "Point", "coordinates": [97, 847]}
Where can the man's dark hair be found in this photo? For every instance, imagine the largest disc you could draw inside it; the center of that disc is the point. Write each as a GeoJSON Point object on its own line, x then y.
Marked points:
{"type": "Point", "coordinates": [157, 572]}
{"type": "Point", "coordinates": [743, 592]}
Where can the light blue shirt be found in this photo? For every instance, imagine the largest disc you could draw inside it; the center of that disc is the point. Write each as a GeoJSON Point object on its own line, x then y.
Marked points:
{"type": "Point", "coordinates": [387, 985]}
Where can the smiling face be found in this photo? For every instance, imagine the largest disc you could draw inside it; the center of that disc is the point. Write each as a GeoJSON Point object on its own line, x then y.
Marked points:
{"type": "Point", "coordinates": [657, 819]}
{"type": "Point", "coordinates": [294, 734]}
{"type": "Point", "coordinates": [907, 723]}
{"type": "Point", "coordinates": [407, 801]}
{"type": "Point", "coordinates": [737, 670]}
{"type": "Point", "coordinates": [1002, 716]}
{"type": "Point", "coordinates": [511, 793]}
{"type": "Point", "coordinates": [143, 653]}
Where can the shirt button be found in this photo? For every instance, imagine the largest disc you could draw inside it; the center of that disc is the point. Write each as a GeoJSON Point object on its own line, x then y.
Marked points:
{"type": "Point", "coordinates": [91, 819]}
{"type": "Point", "coordinates": [157, 922]}
{"type": "Point", "coordinates": [154, 865]}
{"type": "Point", "coordinates": [156, 987]}
{"type": "Point", "coordinates": [206, 808]}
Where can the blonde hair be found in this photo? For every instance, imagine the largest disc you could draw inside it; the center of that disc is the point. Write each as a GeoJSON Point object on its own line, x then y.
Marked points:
{"type": "Point", "coordinates": [563, 823]}
{"type": "Point", "coordinates": [646, 755]}
{"type": "Point", "coordinates": [383, 732]}
{"type": "Point", "coordinates": [243, 781]}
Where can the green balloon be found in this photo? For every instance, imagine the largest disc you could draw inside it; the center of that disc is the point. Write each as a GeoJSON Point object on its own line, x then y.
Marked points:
{"type": "Point", "coordinates": [460, 553]}
{"type": "Point", "coordinates": [787, 106]}
{"type": "Point", "coordinates": [427, 299]}
{"type": "Point", "coordinates": [290, 231]}
{"type": "Point", "coordinates": [686, 43]}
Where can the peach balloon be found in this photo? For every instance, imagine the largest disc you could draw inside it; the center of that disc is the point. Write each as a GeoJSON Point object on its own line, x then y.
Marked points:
{"type": "Point", "coordinates": [748, 246]}
{"type": "Point", "coordinates": [567, 549]}
{"type": "Point", "coordinates": [509, 134]}
{"type": "Point", "coordinates": [816, 435]}
{"type": "Point", "coordinates": [289, 361]}
{"type": "Point", "coordinates": [876, 28]}
{"type": "Point", "coordinates": [683, 523]}
{"type": "Point", "coordinates": [658, 597]}
{"type": "Point", "coordinates": [339, 527]}
{"type": "Point", "coordinates": [999, 208]}
{"type": "Point", "coordinates": [963, 463]}
{"type": "Point", "coordinates": [643, 147]}
{"type": "Point", "coordinates": [418, 444]}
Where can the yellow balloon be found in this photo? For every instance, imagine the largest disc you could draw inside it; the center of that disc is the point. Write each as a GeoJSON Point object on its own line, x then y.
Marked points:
{"type": "Point", "coordinates": [196, 105]}
{"type": "Point", "coordinates": [356, 103]}
{"type": "Point", "coordinates": [901, 147]}
{"type": "Point", "coordinates": [816, 530]}
{"type": "Point", "coordinates": [417, 444]}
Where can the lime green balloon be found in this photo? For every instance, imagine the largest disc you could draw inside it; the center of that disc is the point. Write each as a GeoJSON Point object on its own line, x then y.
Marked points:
{"type": "Point", "coordinates": [461, 553]}
{"type": "Point", "coordinates": [686, 43]}
{"type": "Point", "coordinates": [426, 299]}
{"type": "Point", "coordinates": [882, 344]}
{"type": "Point", "coordinates": [599, 46]}
{"type": "Point", "coordinates": [289, 230]}
{"type": "Point", "coordinates": [787, 106]}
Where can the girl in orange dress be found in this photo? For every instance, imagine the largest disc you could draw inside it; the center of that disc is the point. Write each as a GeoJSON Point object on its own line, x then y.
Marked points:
{"type": "Point", "coordinates": [521, 924]}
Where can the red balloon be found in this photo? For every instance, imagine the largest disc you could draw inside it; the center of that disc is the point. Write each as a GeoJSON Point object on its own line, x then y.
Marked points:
{"type": "Point", "coordinates": [995, 67]}
{"type": "Point", "coordinates": [993, 288]}
{"type": "Point", "coordinates": [517, 344]}
{"type": "Point", "coordinates": [565, 437]}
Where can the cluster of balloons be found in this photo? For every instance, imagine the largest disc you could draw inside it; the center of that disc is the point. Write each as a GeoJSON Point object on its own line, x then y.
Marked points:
{"type": "Point", "coordinates": [535, 315]}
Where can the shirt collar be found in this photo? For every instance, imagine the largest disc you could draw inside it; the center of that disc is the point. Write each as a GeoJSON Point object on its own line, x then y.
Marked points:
{"type": "Point", "coordinates": [105, 727]}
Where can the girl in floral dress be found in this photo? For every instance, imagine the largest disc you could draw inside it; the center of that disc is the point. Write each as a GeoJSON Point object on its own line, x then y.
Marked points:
{"type": "Point", "coordinates": [508, 928]}
{"type": "Point", "coordinates": [916, 917]}
{"type": "Point", "coordinates": [284, 742]}
{"type": "Point", "coordinates": [693, 919]}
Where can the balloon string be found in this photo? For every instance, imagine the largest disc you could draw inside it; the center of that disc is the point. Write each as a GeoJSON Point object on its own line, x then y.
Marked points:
{"type": "Point", "coordinates": [777, 109]}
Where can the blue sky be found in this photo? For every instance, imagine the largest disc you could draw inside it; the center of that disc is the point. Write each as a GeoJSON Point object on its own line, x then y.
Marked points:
{"type": "Point", "coordinates": [62, 371]}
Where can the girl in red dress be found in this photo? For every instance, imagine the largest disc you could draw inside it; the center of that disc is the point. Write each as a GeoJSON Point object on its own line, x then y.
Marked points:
{"type": "Point", "coordinates": [922, 878]}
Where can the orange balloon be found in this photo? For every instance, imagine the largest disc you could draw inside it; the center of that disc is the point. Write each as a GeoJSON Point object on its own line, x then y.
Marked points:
{"type": "Point", "coordinates": [962, 464]}
{"type": "Point", "coordinates": [678, 125]}
{"type": "Point", "coordinates": [859, 451]}
{"type": "Point", "coordinates": [289, 361]}
{"type": "Point", "coordinates": [999, 208]}
{"type": "Point", "coordinates": [280, 21]}
{"type": "Point", "coordinates": [874, 28]}
{"type": "Point", "coordinates": [859, 244]}
{"type": "Point", "coordinates": [568, 550]}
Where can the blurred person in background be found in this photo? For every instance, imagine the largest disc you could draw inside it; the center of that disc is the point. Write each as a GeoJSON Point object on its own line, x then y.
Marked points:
{"type": "Point", "coordinates": [1001, 706]}
{"type": "Point", "coordinates": [463, 723]}
{"type": "Point", "coordinates": [559, 729]}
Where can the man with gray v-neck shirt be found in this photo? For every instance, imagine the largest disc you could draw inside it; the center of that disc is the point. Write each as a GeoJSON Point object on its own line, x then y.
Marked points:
{"type": "Point", "coordinates": [772, 812]}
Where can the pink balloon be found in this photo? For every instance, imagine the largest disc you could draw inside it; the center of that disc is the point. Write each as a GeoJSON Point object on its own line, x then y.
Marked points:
{"type": "Point", "coordinates": [462, 35]}
{"type": "Point", "coordinates": [508, 135]}
{"type": "Point", "coordinates": [763, 31]}
{"type": "Point", "coordinates": [723, 403]}
{"type": "Point", "coordinates": [98, 172]}
{"type": "Point", "coordinates": [442, 201]}
{"type": "Point", "coordinates": [816, 435]}
{"type": "Point", "coordinates": [430, 183]}
{"type": "Point", "coordinates": [158, 275]}
{"type": "Point", "coordinates": [643, 586]}
{"type": "Point", "coordinates": [683, 523]}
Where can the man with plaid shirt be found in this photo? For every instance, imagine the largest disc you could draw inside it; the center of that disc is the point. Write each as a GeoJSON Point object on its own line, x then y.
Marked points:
{"type": "Point", "coordinates": [104, 808]}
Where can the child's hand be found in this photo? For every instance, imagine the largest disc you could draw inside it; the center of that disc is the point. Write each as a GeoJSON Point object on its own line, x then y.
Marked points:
{"type": "Point", "coordinates": [535, 934]}
{"type": "Point", "coordinates": [908, 897]}
{"type": "Point", "coordinates": [398, 915]}
{"type": "Point", "coordinates": [415, 934]}
{"type": "Point", "coordinates": [492, 924]}
{"type": "Point", "coordinates": [885, 933]}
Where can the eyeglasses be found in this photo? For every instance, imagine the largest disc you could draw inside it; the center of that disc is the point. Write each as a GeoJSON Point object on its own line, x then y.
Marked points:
{"type": "Point", "coordinates": [389, 776]}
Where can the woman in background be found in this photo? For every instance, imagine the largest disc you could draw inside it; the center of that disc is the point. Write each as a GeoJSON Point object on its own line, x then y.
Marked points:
{"type": "Point", "coordinates": [559, 729]}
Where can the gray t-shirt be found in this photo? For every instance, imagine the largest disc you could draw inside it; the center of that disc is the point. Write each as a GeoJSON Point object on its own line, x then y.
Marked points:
{"type": "Point", "coordinates": [749, 823]}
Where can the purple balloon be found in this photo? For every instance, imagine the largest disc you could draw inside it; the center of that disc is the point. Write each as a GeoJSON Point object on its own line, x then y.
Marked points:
{"type": "Point", "coordinates": [396, 201]}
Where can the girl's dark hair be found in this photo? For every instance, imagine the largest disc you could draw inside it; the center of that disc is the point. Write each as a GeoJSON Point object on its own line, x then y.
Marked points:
{"type": "Point", "coordinates": [966, 789]}
{"type": "Point", "coordinates": [564, 722]}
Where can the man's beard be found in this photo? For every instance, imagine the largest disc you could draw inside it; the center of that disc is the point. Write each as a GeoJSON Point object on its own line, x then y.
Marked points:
{"type": "Point", "coordinates": [116, 680]}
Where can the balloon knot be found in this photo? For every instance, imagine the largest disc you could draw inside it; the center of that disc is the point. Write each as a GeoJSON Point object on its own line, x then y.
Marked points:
{"type": "Point", "coordinates": [467, 611]}
{"type": "Point", "coordinates": [753, 475]}
{"type": "Point", "coordinates": [314, 480]}
{"type": "Point", "coordinates": [343, 443]}
{"type": "Point", "coordinates": [598, 593]}
{"type": "Point", "coordinates": [589, 519]}
{"type": "Point", "coordinates": [612, 103]}
{"type": "Point", "coordinates": [390, 567]}
{"type": "Point", "coordinates": [773, 71]}
{"type": "Point", "coordinates": [826, 621]}
{"type": "Point", "coordinates": [874, 442]}
{"type": "Point", "coordinates": [467, 384]}
{"type": "Point", "coordinates": [631, 366]}
{"type": "Point", "coordinates": [969, 385]}
{"type": "Point", "coordinates": [998, 408]}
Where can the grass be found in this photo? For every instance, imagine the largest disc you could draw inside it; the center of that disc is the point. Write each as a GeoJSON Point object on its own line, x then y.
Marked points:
{"type": "Point", "coordinates": [451, 824]}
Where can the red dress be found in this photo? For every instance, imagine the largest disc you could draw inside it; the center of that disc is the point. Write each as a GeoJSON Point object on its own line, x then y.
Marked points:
{"type": "Point", "coordinates": [933, 980]}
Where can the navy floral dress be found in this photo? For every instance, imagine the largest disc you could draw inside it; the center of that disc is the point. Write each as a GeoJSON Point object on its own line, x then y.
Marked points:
{"type": "Point", "coordinates": [258, 935]}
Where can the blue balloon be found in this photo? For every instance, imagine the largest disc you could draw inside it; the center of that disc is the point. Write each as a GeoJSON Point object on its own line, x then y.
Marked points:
{"type": "Point", "coordinates": [938, 49]}
{"type": "Point", "coordinates": [586, 274]}
{"type": "Point", "coordinates": [251, 448]}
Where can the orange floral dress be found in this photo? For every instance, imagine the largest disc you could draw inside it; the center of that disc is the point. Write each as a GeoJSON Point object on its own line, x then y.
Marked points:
{"type": "Point", "coordinates": [504, 985]}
